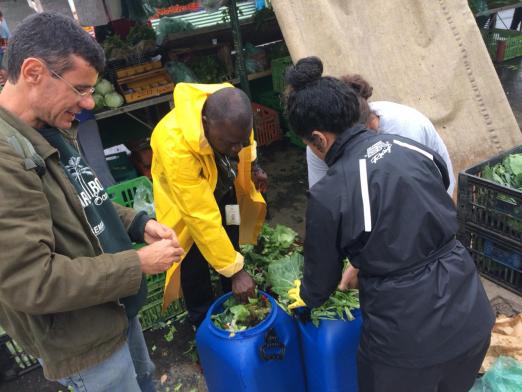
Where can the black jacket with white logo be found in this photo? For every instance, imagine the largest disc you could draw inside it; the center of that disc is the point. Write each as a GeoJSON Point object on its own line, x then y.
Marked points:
{"type": "Point", "coordinates": [383, 204]}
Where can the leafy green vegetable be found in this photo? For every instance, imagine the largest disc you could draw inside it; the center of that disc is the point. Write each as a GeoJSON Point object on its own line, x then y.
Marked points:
{"type": "Point", "coordinates": [141, 32]}
{"type": "Point", "coordinates": [208, 69]}
{"type": "Point", "coordinates": [283, 272]}
{"type": "Point", "coordinates": [507, 173]}
{"type": "Point", "coordinates": [114, 100]}
{"type": "Point", "coordinates": [103, 87]}
{"type": "Point", "coordinates": [272, 245]}
{"type": "Point", "coordinates": [99, 102]}
{"type": "Point", "coordinates": [338, 307]}
{"type": "Point", "coordinates": [277, 260]}
{"type": "Point", "coordinates": [238, 317]}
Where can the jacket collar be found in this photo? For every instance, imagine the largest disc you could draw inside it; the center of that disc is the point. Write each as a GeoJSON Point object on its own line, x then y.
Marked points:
{"type": "Point", "coordinates": [40, 144]}
{"type": "Point", "coordinates": [337, 149]}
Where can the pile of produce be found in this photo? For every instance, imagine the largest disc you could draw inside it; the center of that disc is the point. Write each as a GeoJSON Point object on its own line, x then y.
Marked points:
{"type": "Point", "coordinates": [274, 264]}
{"type": "Point", "coordinates": [208, 69]}
{"type": "Point", "coordinates": [277, 261]}
{"type": "Point", "coordinates": [169, 26]}
{"type": "Point", "coordinates": [139, 43]}
{"type": "Point", "coordinates": [237, 317]}
{"type": "Point", "coordinates": [507, 173]}
{"type": "Point", "coordinates": [105, 96]}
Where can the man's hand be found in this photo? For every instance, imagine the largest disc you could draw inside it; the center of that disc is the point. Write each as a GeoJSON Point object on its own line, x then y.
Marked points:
{"type": "Point", "coordinates": [349, 279]}
{"type": "Point", "coordinates": [243, 286]}
{"type": "Point", "coordinates": [159, 256]}
{"type": "Point", "coordinates": [260, 179]}
{"type": "Point", "coordinates": [155, 231]}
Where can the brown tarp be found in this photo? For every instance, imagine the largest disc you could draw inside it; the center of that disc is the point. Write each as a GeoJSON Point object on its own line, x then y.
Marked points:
{"type": "Point", "coordinates": [427, 54]}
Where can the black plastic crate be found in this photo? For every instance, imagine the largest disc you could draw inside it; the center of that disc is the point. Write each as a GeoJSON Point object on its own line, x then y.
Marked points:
{"type": "Point", "coordinates": [485, 204]}
{"type": "Point", "coordinates": [497, 258]}
{"type": "Point", "coordinates": [12, 357]}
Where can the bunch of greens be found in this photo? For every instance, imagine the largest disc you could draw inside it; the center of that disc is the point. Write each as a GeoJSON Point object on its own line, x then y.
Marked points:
{"type": "Point", "coordinates": [169, 26]}
{"type": "Point", "coordinates": [281, 277]}
{"type": "Point", "coordinates": [141, 32]}
{"type": "Point", "coordinates": [272, 245]}
{"type": "Point", "coordinates": [237, 317]}
{"type": "Point", "coordinates": [208, 69]}
{"type": "Point", "coordinates": [507, 173]}
{"type": "Point", "coordinates": [338, 307]}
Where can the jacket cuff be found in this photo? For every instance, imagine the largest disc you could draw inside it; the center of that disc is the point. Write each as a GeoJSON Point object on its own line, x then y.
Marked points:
{"type": "Point", "coordinates": [127, 279]}
{"type": "Point", "coordinates": [233, 268]}
{"type": "Point", "coordinates": [137, 228]}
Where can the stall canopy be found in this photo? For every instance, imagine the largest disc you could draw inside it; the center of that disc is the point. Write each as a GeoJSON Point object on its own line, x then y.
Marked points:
{"type": "Point", "coordinates": [425, 54]}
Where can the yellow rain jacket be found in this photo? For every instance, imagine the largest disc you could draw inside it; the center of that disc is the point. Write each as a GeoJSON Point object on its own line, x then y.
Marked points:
{"type": "Point", "coordinates": [184, 176]}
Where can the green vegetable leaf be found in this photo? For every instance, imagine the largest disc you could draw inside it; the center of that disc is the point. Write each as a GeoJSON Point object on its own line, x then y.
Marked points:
{"type": "Point", "coordinates": [282, 273]}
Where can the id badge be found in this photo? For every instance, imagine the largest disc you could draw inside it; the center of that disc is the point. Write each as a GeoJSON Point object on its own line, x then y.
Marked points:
{"type": "Point", "coordinates": [232, 215]}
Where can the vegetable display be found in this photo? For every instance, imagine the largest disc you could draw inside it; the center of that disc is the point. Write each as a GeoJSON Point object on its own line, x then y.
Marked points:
{"type": "Point", "coordinates": [105, 96]}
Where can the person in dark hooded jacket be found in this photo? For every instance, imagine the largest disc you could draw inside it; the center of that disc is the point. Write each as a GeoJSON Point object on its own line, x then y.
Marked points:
{"type": "Point", "coordinates": [383, 204]}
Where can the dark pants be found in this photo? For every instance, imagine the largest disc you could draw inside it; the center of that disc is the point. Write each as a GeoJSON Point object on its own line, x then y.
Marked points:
{"type": "Point", "coordinates": [195, 274]}
{"type": "Point", "coordinates": [456, 375]}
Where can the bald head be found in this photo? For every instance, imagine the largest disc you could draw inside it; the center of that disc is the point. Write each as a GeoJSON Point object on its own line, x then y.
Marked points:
{"type": "Point", "coordinates": [227, 119]}
{"type": "Point", "coordinates": [230, 105]}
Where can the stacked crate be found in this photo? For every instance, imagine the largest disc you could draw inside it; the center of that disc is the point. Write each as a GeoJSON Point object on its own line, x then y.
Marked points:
{"type": "Point", "coordinates": [490, 224]}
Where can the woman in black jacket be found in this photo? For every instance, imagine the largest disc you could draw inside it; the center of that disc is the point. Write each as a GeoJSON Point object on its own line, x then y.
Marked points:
{"type": "Point", "coordinates": [383, 204]}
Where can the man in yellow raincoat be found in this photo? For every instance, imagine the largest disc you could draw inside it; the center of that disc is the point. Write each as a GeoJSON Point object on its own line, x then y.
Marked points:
{"type": "Point", "coordinates": [207, 189]}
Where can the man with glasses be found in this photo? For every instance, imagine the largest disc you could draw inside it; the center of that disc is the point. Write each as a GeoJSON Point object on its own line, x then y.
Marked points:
{"type": "Point", "coordinates": [71, 285]}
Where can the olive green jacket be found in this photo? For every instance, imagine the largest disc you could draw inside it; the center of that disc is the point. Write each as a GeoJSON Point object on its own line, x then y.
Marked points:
{"type": "Point", "coordinates": [58, 291]}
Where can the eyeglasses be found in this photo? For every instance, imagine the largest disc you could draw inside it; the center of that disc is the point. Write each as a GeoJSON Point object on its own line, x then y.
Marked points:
{"type": "Point", "coordinates": [84, 92]}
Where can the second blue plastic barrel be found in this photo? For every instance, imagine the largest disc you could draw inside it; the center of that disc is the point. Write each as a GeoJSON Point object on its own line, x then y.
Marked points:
{"type": "Point", "coordinates": [264, 358]}
{"type": "Point", "coordinates": [330, 353]}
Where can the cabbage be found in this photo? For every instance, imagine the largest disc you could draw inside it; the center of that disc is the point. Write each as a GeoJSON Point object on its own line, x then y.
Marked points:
{"type": "Point", "coordinates": [104, 87]}
{"type": "Point", "coordinates": [98, 100]}
{"type": "Point", "coordinates": [113, 100]}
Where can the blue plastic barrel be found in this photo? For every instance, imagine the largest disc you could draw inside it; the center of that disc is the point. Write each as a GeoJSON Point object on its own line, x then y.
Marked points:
{"type": "Point", "coordinates": [266, 357]}
{"type": "Point", "coordinates": [330, 353]}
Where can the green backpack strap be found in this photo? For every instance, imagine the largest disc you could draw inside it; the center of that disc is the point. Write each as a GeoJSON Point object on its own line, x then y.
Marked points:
{"type": "Point", "coordinates": [24, 148]}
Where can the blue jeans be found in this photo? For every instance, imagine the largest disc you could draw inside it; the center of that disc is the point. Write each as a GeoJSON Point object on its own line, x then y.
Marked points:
{"type": "Point", "coordinates": [129, 369]}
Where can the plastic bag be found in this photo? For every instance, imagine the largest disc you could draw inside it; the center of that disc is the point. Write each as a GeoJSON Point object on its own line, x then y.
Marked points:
{"type": "Point", "coordinates": [179, 72]}
{"type": "Point", "coordinates": [143, 200]}
{"type": "Point", "coordinates": [255, 58]}
{"type": "Point", "coordinates": [504, 376]}
{"type": "Point", "coordinates": [260, 4]}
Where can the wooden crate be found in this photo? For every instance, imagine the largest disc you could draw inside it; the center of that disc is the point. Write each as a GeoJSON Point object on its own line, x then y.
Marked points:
{"type": "Point", "coordinates": [145, 85]}
{"type": "Point", "coordinates": [137, 69]}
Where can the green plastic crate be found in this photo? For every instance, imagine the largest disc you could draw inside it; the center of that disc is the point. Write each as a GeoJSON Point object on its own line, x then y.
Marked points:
{"type": "Point", "coordinates": [151, 313]}
{"type": "Point", "coordinates": [123, 193]}
{"type": "Point", "coordinates": [513, 42]}
{"type": "Point", "coordinates": [279, 67]}
{"type": "Point", "coordinates": [15, 357]}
